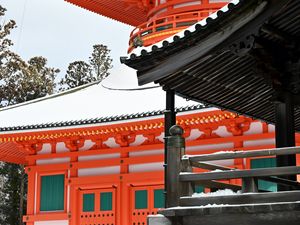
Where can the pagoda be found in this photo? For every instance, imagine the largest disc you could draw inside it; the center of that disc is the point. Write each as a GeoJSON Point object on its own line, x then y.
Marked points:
{"type": "Point", "coordinates": [154, 20]}
{"type": "Point", "coordinates": [103, 163]}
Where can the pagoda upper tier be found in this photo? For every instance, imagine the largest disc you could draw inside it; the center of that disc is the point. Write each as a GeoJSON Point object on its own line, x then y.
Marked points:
{"type": "Point", "coordinates": [155, 20]}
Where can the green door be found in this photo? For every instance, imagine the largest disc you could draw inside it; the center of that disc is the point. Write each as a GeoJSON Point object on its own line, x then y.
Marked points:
{"type": "Point", "coordinates": [264, 163]}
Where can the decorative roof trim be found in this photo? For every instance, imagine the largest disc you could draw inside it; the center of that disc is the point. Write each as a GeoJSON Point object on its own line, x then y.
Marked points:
{"type": "Point", "coordinates": [99, 120]}
{"type": "Point", "coordinates": [141, 51]}
{"type": "Point", "coordinates": [194, 120]}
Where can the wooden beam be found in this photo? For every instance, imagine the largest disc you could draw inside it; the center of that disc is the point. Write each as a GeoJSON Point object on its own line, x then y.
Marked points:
{"type": "Point", "coordinates": [209, 166]}
{"type": "Point", "coordinates": [217, 185]}
{"type": "Point", "coordinates": [244, 154]}
{"type": "Point", "coordinates": [190, 177]}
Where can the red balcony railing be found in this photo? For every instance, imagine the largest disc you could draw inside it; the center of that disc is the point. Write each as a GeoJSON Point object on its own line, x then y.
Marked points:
{"type": "Point", "coordinates": [163, 25]}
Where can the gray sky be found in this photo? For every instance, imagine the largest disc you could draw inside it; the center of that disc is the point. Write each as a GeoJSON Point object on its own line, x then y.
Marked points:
{"type": "Point", "coordinates": [63, 33]}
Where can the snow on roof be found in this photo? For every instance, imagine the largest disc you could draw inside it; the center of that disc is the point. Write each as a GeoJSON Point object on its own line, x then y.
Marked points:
{"type": "Point", "coordinates": [138, 51]}
{"type": "Point", "coordinates": [95, 101]}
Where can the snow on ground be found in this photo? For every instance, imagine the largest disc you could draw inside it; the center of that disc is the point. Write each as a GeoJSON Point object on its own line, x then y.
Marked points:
{"type": "Point", "coordinates": [216, 193]}
{"type": "Point", "coordinates": [233, 205]}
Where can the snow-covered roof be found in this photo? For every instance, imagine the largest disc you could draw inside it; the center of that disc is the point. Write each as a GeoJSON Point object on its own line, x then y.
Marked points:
{"type": "Point", "coordinates": [90, 105]}
{"type": "Point", "coordinates": [202, 23]}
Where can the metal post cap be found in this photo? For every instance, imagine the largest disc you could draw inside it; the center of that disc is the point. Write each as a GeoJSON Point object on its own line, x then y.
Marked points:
{"type": "Point", "coordinates": [176, 130]}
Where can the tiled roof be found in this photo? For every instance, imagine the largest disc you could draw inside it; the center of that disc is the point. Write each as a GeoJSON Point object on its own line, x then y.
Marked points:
{"type": "Point", "coordinates": [118, 10]}
{"type": "Point", "coordinates": [177, 41]}
{"type": "Point", "coordinates": [241, 58]}
{"type": "Point", "coordinates": [100, 120]}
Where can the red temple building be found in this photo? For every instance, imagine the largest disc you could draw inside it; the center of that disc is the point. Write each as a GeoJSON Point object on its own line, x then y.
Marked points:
{"type": "Point", "coordinates": [154, 20]}
{"type": "Point", "coordinates": [109, 170]}
{"type": "Point", "coordinates": [95, 156]}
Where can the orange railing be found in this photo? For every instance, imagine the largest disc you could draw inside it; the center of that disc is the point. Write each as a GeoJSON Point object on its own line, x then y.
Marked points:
{"type": "Point", "coordinates": [163, 25]}
{"type": "Point", "coordinates": [181, 6]}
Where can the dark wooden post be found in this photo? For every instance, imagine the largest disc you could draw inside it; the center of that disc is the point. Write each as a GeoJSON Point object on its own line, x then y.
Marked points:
{"type": "Point", "coordinates": [170, 120]}
{"type": "Point", "coordinates": [186, 188]}
{"type": "Point", "coordinates": [176, 149]}
{"type": "Point", "coordinates": [249, 185]}
{"type": "Point", "coordinates": [285, 131]}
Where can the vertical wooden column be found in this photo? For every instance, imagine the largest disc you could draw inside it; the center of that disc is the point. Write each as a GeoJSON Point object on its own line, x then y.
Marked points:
{"type": "Point", "coordinates": [123, 188]}
{"type": "Point", "coordinates": [170, 120]}
{"type": "Point", "coordinates": [285, 131]}
{"type": "Point", "coordinates": [73, 195]}
{"type": "Point", "coordinates": [31, 189]}
{"type": "Point", "coordinates": [176, 149]}
{"type": "Point", "coordinates": [74, 204]}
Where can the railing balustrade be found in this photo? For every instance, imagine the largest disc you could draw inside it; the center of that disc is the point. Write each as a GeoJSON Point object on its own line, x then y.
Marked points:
{"type": "Point", "coordinates": [182, 180]}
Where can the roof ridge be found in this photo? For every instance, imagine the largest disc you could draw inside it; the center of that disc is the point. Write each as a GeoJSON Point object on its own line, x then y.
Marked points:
{"type": "Point", "coordinates": [101, 119]}
{"type": "Point", "coordinates": [66, 92]}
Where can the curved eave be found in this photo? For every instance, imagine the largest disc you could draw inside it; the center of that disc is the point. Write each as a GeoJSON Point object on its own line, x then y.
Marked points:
{"type": "Point", "coordinates": [13, 144]}
{"type": "Point", "coordinates": [202, 63]}
{"type": "Point", "coordinates": [114, 9]}
{"type": "Point", "coordinates": [99, 121]}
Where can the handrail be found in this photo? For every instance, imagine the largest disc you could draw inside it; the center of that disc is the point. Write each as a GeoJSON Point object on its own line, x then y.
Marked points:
{"type": "Point", "coordinates": [170, 5]}
{"type": "Point", "coordinates": [181, 179]}
{"type": "Point", "coordinates": [233, 174]}
{"type": "Point", "coordinates": [244, 154]}
{"type": "Point", "coordinates": [171, 20]}
{"type": "Point", "coordinates": [163, 24]}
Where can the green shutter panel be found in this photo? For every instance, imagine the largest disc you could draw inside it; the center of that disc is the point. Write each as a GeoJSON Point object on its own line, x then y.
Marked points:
{"type": "Point", "coordinates": [141, 199]}
{"type": "Point", "coordinates": [159, 198]}
{"type": "Point", "coordinates": [199, 189]}
{"type": "Point", "coordinates": [106, 201]}
{"type": "Point", "coordinates": [88, 203]}
{"type": "Point", "coordinates": [52, 193]}
{"type": "Point", "coordinates": [264, 163]}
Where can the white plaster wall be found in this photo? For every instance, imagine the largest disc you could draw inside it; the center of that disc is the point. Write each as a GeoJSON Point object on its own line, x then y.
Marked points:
{"type": "Point", "coordinates": [255, 128]}
{"type": "Point", "coordinates": [269, 141]}
{"type": "Point", "coordinates": [53, 222]}
{"type": "Point", "coordinates": [223, 146]}
{"type": "Point", "coordinates": [195, 133]}
{"type": "Point", "coordinates": [146, 167]}
{"type": "Point", "coordinates": [144, 153]}
{"type": "Point", "coordinates": [87, 145]}
{"type": "Point", "coordinates": [222, 132]}
{"type": "Point", "coordinates": [61, 147]}
{"type": "Point", "coordinates": [96, 157]}
{"type": "Point", "coordinates": [99, 171]}
{"type": "Point", "coordinates": [46, 149]}
{"type": "Point", "coordinates": [186, 4]}
{"type": "Point", "coordinates": [161, 137]}
{"type": "Point", "coordinates": [271, 128]}
{"type": "Point", "coordinates": [52, 161]}
{"type": "Point", "coordinates": [138, 140]}
{"type": "Point", "coordinates": [111, 143]}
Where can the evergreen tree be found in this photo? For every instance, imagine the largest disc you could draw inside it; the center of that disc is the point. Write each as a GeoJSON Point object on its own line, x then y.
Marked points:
{"type": "Point", "coordinates": [100, 61]}
{"type": "Point", "coordinates": [19, 81]}
{"type": "Point", "coordinates": [10, 196]}
{"type": "Point", "coordinates": [80, 72]}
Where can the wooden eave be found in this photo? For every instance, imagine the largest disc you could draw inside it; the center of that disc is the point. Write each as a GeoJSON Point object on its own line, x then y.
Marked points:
{"type": "Point", "coordinates": [17, 144]}
{"type": "Point", "coordinates": [233, 61]}
{"type": "Point", "coordinates": [120, 10]}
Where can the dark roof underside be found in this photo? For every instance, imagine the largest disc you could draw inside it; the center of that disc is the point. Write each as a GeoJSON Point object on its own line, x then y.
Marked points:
{"type": "Point", "coordinates": [241, 61]}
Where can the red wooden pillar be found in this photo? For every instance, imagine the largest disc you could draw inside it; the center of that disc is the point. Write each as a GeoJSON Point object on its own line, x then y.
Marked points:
{"type": "Point", "coordinates": [31, 189]}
